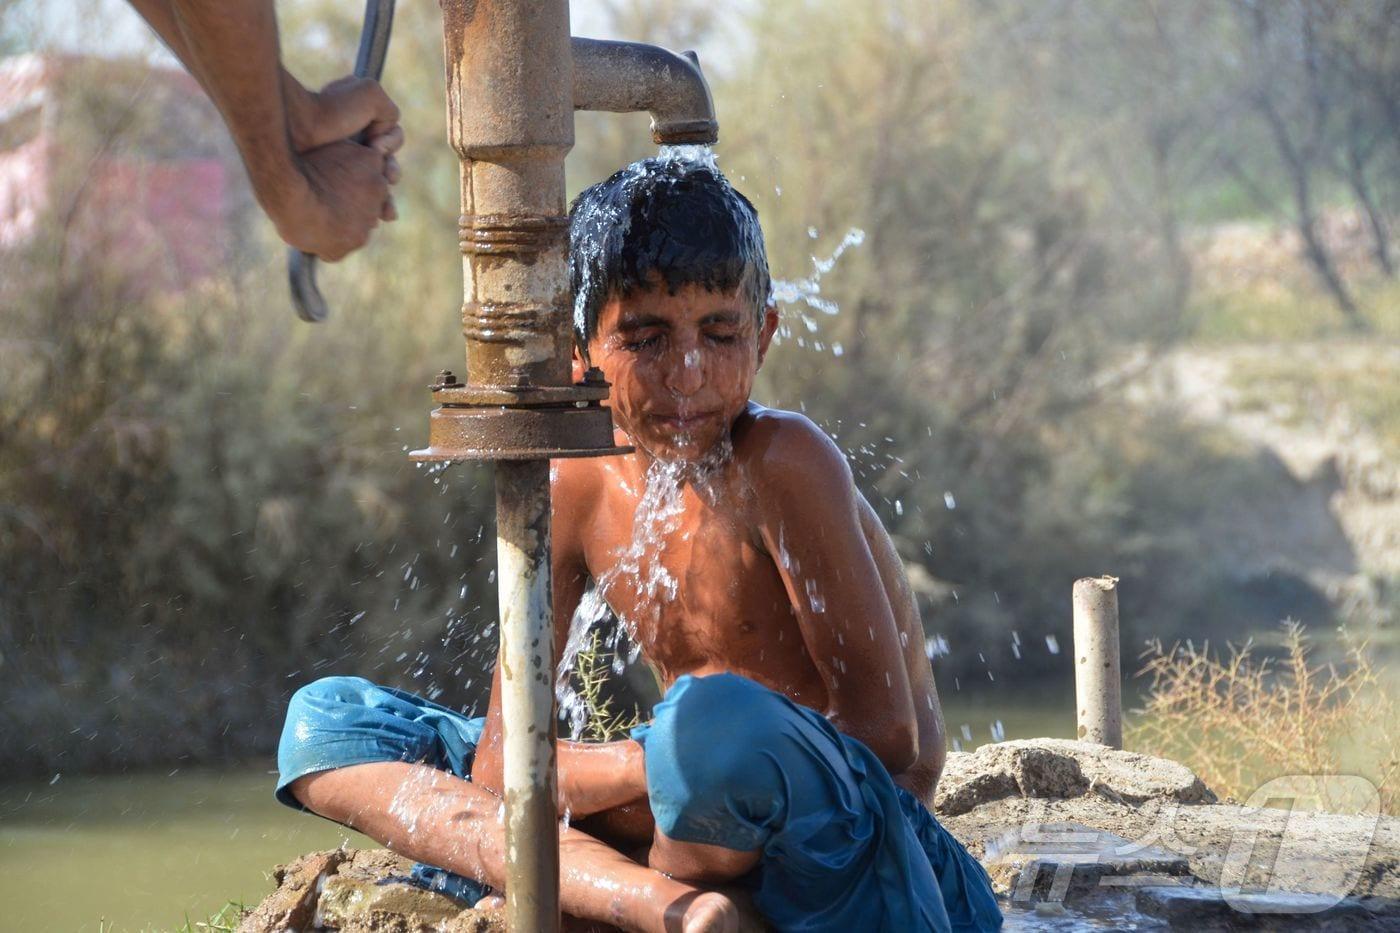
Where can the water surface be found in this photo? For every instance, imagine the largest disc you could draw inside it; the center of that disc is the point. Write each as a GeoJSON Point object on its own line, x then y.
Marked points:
{"type": "Point", "coordinates": [143, 851]}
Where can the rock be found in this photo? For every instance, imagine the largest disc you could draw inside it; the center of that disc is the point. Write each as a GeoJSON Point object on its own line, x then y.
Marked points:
{"type": "Point", "coordinates": [361, 891]}
{"type": "Point", "coordinates": [1205, 908]}
{"type": "Point", "coordinates": [348, 902]}
{"type": "Point", "coordinates": [1062, 822]}
{"type": "Point", "coordinates": [1074, 836]}
{"type": "Point", "coordinates": [1068, 862]}
{"type": "Point", "coordinates": [1061, 768]}
{"type": "Point", "coordinates": [1304, 852]}
{"type": "Point", "coordinates": [293, 905]}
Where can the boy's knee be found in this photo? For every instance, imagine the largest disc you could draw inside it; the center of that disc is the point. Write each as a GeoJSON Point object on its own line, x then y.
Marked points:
{"type": "Point", "coordinates": [714, 748]}
{"type": "Point", "coordinates": [333, 722]}
{"type": "Point", "coordinates": [328, 690]}
{"type": "Point", "coordinates": [723, 709]}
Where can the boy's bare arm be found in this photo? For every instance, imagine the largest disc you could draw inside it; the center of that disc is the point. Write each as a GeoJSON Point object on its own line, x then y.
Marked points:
{"type": "Point", "coordinates": [811, 525]}
{"type": "Point", "coordinates": [922, 776]}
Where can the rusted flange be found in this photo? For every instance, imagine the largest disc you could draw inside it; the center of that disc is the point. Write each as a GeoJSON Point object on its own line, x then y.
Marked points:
{"type": "Point", "coordinates": [518, 396]}
{"type": "Point", "coordinates": [539, 433]}
{"type": "Point", "coordinates": [520, 422]}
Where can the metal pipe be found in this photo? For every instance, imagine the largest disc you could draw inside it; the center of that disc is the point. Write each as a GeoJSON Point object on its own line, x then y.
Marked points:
{"type": "Point", "coordinates": [510, 119]}
{"type": "Point", "coordinates": [527, 696]}
{"type": "Point", "coordinates": [1097, 677]}
{"type": "Point", "coordinates": [624, 77]}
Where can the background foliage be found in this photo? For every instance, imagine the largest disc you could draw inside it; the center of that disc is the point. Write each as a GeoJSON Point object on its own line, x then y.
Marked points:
{"type": "Point", "coordinates": [204, 503]}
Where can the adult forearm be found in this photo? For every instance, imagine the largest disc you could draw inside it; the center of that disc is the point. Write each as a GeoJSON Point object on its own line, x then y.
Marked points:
{"type": "Point", "coordinates": [160, 16]}
{"type": "Point", "coordinates": [232, 49]}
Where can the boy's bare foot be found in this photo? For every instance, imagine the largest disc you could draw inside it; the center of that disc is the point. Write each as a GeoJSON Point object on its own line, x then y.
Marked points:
{"type": "Point", "coordinates": [703, 912]}
{"type": "Point", "coordinates": [567, 924]}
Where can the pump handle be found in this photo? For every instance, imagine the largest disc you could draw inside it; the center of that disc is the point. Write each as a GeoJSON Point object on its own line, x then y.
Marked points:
{"type": "Point", "coordinates": [369, 63]}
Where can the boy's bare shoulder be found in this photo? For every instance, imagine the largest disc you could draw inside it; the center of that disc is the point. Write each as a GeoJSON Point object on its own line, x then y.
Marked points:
{"type": "Point", "coordinates": [786, 452]}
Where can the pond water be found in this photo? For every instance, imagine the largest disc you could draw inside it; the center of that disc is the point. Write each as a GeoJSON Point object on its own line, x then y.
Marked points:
{"type": "Point", "coordinates": [138, 852]}
{"type": "Point", "coordinates": [143, 852]}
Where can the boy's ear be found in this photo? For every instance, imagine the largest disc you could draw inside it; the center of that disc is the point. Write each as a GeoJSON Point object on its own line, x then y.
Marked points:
{"type": "Point", "coordinates": [577, 364]}
{"type": "Point", "coordinates": [766, 331]}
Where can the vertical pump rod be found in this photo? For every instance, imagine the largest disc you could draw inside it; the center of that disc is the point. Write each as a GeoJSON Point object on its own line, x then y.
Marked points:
{"type": "Point", "coordinates": [527, 694]}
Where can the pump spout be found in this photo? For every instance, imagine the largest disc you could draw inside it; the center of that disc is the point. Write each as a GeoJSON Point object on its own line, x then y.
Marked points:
{"type": "Point", "coordinates": [625, 77]}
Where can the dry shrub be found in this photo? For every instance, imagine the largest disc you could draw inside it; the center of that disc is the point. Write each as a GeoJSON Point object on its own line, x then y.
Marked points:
{"type": "Point", "coordinates": [1242, 721]}
{"type": "Point", "coordinates": [593, 670]}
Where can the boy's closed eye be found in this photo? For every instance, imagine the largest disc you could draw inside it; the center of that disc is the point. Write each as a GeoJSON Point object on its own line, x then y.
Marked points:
{"type": "Point", "coordinates": [637, 344]}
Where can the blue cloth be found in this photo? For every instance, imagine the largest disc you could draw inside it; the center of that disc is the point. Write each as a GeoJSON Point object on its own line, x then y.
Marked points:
{"type": "Point", "coordinates": [336, 722]}
{"type": "Point", "coordinates": [731, 763]}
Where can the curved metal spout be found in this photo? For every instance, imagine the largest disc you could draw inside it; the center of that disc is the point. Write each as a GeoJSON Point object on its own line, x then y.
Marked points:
{"type": "Point", "coordinates": [624, 77]}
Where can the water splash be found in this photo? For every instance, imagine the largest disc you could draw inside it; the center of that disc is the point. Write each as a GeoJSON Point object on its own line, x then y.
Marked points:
{"type": "Point", "coordinates": [808, 290]}
{"type": "Point", "coordinates": [690, 156]}
{"type": "Point", "coordinates": [639, 571]}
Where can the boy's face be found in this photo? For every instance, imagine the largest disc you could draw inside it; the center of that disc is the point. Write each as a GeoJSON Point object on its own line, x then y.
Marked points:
{"type": "Point", "coordinates": [681, 366]}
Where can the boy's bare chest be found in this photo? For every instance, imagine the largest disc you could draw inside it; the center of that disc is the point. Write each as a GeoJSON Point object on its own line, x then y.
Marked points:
{"type": "Point", "coordinates": [695, 586]}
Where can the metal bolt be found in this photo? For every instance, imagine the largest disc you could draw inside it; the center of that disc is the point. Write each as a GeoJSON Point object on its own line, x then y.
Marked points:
{"type": "Point", "coordinates": [444, 380]}
{"type": "Point", "coordinates": [593, 376]}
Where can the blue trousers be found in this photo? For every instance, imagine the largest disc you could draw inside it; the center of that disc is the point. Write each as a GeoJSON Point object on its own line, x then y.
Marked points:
{"type": "Point", "coordinates": [734, 764]}
{"type": "Point", "coordinates": [729, 763]}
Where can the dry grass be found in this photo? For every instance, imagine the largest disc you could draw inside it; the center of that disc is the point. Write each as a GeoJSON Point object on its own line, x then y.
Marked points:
{"type": "Point", "coordinates": [1243, 720]}
{"type": "Point", "coordinates": [592, 670]}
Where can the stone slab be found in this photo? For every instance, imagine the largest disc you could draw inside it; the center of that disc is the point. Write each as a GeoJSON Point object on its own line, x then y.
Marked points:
{"type": "Point", "coordinates": [1061, 768]}
{"type": "Point", "coordinates": [1065, 863]}
{"type": "Point", "coordinates": [1205, 908]}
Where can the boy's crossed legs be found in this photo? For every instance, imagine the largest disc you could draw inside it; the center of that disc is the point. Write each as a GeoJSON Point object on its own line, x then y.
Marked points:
{"type": "Point", "coordinates": [743, 783]}
{"type": "Point", "coordinates": [386, 763]}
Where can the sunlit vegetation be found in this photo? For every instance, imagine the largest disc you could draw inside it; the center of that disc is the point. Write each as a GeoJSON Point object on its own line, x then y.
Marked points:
{"type": "Point", "coordinates": [205, 503]}
{"type": "Point", "coordinates": [1240, 718]}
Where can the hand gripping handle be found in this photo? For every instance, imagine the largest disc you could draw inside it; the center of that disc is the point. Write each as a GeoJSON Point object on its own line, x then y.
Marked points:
{"type": "Point", "coordinates": [369, 63]}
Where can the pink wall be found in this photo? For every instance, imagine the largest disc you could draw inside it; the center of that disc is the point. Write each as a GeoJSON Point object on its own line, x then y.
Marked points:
{"type": "Point", "coordinates": [164, 220]}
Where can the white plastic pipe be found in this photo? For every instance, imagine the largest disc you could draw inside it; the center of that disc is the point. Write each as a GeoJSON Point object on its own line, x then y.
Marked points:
{"type": "Point", "coordinates": [1097, 675]}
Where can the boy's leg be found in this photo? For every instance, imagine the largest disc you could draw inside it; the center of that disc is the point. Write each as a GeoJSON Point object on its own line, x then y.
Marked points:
{"type": "Point", "coordinates": [392, 765]}
{"type": "Point", "coordinates": [739, 775]}
{"type": "Point", "coordinates": [435, 817]}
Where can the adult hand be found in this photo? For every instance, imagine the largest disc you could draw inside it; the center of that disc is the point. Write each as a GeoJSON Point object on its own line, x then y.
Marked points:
{"type": "Point", "coordinates": [343, 190]}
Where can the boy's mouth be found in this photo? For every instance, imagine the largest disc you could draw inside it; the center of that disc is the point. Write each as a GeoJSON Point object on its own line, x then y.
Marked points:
{"type": "Point", "coordinates": [686, 422]}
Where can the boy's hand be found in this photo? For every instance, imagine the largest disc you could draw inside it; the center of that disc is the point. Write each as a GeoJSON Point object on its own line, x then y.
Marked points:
{"type": "Point", "coordinates": [342, 191]}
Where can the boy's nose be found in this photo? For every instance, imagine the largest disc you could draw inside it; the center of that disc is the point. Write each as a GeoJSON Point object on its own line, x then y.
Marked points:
{"type": "Point", "coordinates": [685, 373]}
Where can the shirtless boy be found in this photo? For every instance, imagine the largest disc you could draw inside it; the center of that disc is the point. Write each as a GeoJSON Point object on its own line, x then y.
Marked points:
{"type": "Point", "coordinates": [797, 746]}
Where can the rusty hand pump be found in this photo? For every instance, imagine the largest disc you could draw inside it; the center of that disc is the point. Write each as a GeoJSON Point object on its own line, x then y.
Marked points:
{"type": "Point", "coordinates": [515, 76]}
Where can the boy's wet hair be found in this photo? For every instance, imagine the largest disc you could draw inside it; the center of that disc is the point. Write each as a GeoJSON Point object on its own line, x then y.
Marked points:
{"type": "Point", "coordinates": [663, 222]}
